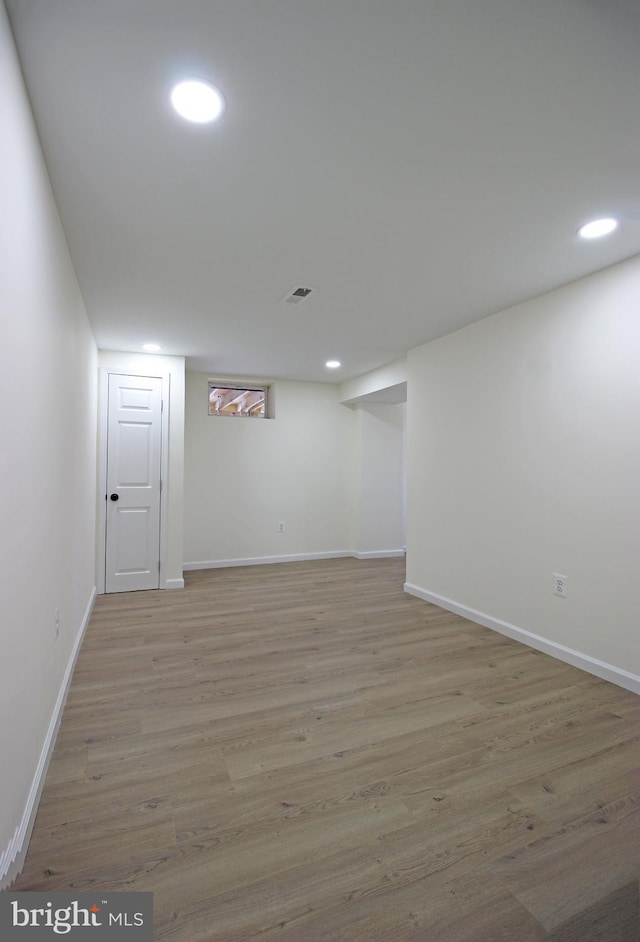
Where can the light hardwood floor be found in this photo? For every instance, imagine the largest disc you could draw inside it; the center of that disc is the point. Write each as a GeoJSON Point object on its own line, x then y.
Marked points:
{"type": "Point", "coordinates": [304, 752]}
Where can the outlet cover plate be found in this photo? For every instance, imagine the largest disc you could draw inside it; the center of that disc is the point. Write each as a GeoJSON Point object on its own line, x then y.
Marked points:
{"type": "Point", "coordinates": [560, 585]}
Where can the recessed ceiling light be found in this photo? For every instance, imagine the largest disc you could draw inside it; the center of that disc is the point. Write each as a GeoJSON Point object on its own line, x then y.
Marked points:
{"type": "Point", "coordinates": [151, 347]}
{"type": "Point", "coordinates": [197, 101]}
{"type": "Point", "coordinates": [598, 227]}
{"type": "Point", "coordinates": [332, 364]}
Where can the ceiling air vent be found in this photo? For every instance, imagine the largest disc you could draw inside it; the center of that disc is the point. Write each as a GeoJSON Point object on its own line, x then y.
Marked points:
{"type": "Point", "coordinates": [297, 295]}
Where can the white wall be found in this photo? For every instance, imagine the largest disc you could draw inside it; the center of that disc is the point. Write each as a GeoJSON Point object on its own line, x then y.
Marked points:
{"type": "Point", "coordinates": [378, 491]}
{"type": "Point", "coordinates": [388, 377]}
{"type": "Point", "coordinates": [244, 476]}
{"type": "Point", "coordinates": [524, 460]}
{"type": "Point", "coordinates": [171, 368]}
{"type": "Point", "coordinates": [47, 460]}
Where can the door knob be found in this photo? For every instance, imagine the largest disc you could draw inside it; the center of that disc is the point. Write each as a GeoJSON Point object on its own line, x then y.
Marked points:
{"type": "Point", "coordinates": [115, 497]}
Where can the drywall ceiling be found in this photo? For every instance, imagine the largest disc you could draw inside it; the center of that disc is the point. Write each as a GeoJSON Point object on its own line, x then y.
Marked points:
{"type": "Point", "coordinates": [420, 163]}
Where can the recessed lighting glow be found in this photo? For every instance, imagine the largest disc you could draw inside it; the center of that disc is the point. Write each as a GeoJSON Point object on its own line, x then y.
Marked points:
{"type": "Point", "coordinates": [597, 228]}
{"type": "Point", "coordinates": [332, 364]}
{"type": "Point", "coordinates": [197, 101]}
{"type": "Point", "coordinates": [151, 347]}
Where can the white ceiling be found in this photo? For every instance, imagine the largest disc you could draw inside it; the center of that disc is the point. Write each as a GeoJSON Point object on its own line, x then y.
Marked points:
{"type": "Point", "coordinates": [421, 163]}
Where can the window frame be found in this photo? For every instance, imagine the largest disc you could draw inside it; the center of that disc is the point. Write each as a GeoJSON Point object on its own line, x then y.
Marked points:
{"type": "Point", "coordinates": [241, 388]}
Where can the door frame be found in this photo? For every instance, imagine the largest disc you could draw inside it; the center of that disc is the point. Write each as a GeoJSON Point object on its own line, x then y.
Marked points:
{"type": "Point", "coordinates": [103, 415]}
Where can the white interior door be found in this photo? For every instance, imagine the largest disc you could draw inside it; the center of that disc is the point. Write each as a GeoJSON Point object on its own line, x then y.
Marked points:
{"type": "Point", "coordinates": [134, 451]}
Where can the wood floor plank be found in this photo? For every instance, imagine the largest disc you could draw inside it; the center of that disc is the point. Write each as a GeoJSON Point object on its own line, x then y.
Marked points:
{"type": "Point", "coordinates": [562, 874]}
{"type": "Point", "coordinates": [295, 746]}
{"type": "Point", "coordinates": [304, 753]}
{"type": "Point", "coordinates": [560, 794]}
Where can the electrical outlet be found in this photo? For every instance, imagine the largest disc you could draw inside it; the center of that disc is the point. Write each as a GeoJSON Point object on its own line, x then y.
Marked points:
{"type": "Point", "coordinates": [560, 585]}
{"type": "Point", "coordinates": [56, 616]}
{"type": "Point", "coordinates": [281, 527]}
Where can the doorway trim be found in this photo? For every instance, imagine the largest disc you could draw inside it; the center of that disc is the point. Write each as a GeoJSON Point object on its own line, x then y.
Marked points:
{"type": "Point", "coordinates": [103, 415]}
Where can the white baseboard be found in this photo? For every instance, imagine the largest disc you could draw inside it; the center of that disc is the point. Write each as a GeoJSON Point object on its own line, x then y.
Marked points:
{"type": "Point", "coordinates": [12, 857]}
{"type": "Point", "coordinates": [379, 554]}
{"type": "Point", "coordinates": [174, 584]}
{"type": "Point", "coordinates": [615, 675]}
{"type": "Point", "coordinates": [262, 560]}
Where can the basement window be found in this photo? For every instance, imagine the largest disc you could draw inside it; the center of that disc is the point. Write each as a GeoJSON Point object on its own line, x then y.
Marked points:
{"type": "Point", "coordinates": [248, 402]}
